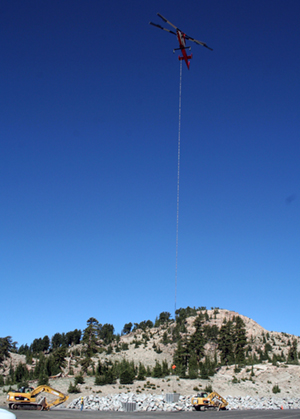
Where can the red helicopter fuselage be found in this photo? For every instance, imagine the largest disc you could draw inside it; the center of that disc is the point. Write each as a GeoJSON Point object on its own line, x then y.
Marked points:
{"type": "Point", "coordinates": [182, 47]}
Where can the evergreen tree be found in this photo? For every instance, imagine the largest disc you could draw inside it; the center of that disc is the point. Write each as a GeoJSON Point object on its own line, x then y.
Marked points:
{"type": "Point", "coordinates": [127, 374]}
{"type": "Point", "coordinates": [23, 349]}
{"type": "Point", "coordinates": [181, 357]}
{"type": "Point", "coordinates": [99, 368]}
{"type": "Point", "coordinates": [240, 340]}
{"type": "Point", "coordinates": [203, 370]}
{"type": "Point", "coordinates": [157, 370]}
{"type": "Point", "coordinates": [109, 377]}
{"type": "Point", "coordinates": [40, 365]}
{"type": "Point", "coordinates": [73, 337]}
{"type": "Point", "coordinates": [197, 340]}
{"type": "Point", "coordinates": [43, 378]}
{"type": "Point", "coordinates": [193, 367]}
{"type": "Point", "coordinates": [100, 380]}
{"type": "Point", "coordinates": [211, 333]}
{"type": "Point", "coordinates": [164, 318]}
{"type": "Point", "coordinates": [59, 357]}
{"type": "Point", "coordinates": [292, 357]}
{"type": "Point", "coordinates": [127, 328]}
{"type": "Point", "coordinates": [79, 379]}
{"type": "Point", "coordinates": [225, 343]}
{"type": "Point", "coordinates": [28, 358]}
{"type": "Point", "coordinates": [148, 371]}
{"type": "Point", "coordinates": [56, 341]}
{"type": "Point", "coordinates": [45, 344]}
{"type": "Point", "coordinates": [141, 372]}
{"type": "Point", "coordinates": [90, 335]}
{"type": "Point", "coordinates": [86, 363]}
{"type": "Point", "coordinates": [6, 345]}
{"type": "Point", "coordinates": [73, 388]}
{"type": "Point", "coordinates": [165, 368]}
{"type": "Point", "coordinates": [106, 333]}
{"type": "Point", "coordinates": [21, 373]}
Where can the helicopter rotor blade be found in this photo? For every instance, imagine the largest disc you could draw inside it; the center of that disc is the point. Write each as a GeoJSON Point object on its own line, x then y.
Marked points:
{"type": "Point", "coordinates": [167, 21]}
{"type": "Point", "coordinates": [178, 30]}
{"type": "Point", "coordinates": [198, 42]}
{"type": "Point", "coordinates": [160, 27]}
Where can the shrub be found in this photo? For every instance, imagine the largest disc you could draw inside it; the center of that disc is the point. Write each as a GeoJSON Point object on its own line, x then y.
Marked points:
{"type": "Point", "coordinates": [237, 369]}
{"type": "Point", "coordinates": [73, 388]}
{"type": "Point", "coordinates": [100, 380]}
{"type": "Point", "coordinates": [208, 388]}
{"type": "Point", "coordinates": [142, 372]}
{"type": "Point", "coordinates": [276, 389]}
{"type": "Point", "coordinates": [79, 379]}
{"type": "Point", "coordinates": [127, 376]}
{"type": "Point", "coordinates": [124, 346]}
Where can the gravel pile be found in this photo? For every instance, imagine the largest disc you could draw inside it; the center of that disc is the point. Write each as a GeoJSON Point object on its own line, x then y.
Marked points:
{"type": "Point", "coordinates": [153, 402]}
{"type": "Point", "coordinates": [142, 402]}
{"type": "Point", "coordinates": [249, 402]}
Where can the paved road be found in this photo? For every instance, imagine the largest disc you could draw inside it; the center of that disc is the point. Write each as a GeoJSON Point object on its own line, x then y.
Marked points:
{"type": "Point", "coordinates": [88, 414]}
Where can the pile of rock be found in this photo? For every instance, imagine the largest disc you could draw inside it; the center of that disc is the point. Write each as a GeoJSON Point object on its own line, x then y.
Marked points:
{"type": "Point", "coordinates": [153, 402]}
{"type": "Point", "coordinates": [141, 402]}
{"type": "Point", "coordinates": [249, 402]}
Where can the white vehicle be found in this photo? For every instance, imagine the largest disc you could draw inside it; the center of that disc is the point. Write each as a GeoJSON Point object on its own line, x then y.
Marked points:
{"type": "Point", "coordinates": [5, 414]}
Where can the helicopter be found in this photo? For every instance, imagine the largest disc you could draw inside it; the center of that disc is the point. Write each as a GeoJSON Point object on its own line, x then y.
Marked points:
{"type": "Point", "coordinates": [182, 37]}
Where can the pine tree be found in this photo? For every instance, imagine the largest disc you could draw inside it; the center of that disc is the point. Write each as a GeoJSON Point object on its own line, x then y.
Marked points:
{"type": "Point", "coordinates": [59, 357]}
{"type": "Point", "coordinates": [43, 376]}
{"type": "Point", "coordinates": [193, 367]}
{"type": "Point", "coordinates": [86, 363]}
{"type": "Point", "coordinates": [197, 340]}
{"type": "Point", "coordinates": [225, 343]}
{"type": "Point", "coordinates": [40, 365]}
{"type": "Point", "coordinates": [293, 354]}
{"type": "Point", "coordinates": [6, 345]}
{"type": "Point", "coordinates": [181, 357]}
{"type": "Point", "coordinates": [127, 372]}
{"type": "Point", "coordinates": [165, 368]}
{"type": "Point", "coordinates": [240, 340]}
{"type": "Point", "coordinates": [21, 373]}
{"type": "Point", "coordinates": [141, 372]}
{"type": "Point", "coordinates": [157, 370]}
{"type": "Point", "coordinates": [203, 370]}
{"type": "Point", "coordinates": [90, 334]}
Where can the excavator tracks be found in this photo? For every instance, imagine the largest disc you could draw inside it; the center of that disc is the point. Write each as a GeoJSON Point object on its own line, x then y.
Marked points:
{"type": "Point", "coordinates": [25, 406]}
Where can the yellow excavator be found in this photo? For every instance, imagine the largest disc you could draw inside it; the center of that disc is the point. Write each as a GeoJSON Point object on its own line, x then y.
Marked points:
{"type": "Point", "coordinates": [212, 401]}
{"type": "Point", "coordinates": [25, 398]}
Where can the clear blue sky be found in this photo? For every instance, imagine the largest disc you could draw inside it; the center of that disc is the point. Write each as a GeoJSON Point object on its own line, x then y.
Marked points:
{"type": "Point", "coordinates": [88, 163]}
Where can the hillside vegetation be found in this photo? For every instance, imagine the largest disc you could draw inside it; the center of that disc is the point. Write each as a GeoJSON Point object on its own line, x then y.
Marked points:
{"type": "Point", "coordinates": [198, 344]}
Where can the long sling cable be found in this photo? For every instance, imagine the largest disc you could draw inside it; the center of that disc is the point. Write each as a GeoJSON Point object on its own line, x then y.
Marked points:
{"type": "Point", "coordinates": [178, 173]}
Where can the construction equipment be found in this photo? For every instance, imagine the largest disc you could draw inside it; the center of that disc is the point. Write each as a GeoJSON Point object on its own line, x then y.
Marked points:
{"type": "Point", "coordinates": [25, 398]}
{"type": "Point", "coordinates": [212, 401]}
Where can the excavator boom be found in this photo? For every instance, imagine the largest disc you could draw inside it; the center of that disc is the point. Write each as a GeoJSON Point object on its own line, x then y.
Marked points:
{"type": "Point", "coordinates": [25, 398]}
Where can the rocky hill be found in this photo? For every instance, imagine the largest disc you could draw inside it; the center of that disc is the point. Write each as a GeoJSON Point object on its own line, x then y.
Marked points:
{"type": "Point", "coordinates": [270, 350]}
